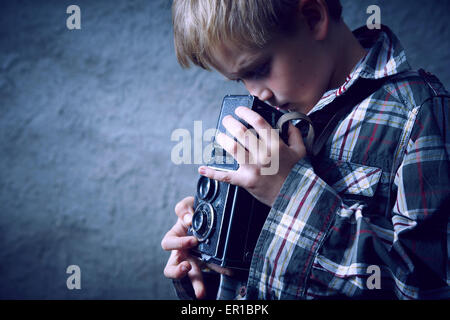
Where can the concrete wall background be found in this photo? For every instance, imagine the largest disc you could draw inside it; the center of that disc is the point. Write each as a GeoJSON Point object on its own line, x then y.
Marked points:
{"type": "Point", "coordinates": [86, 118]}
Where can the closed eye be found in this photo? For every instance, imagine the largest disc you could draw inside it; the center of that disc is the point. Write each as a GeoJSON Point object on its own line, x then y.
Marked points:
{"type": "Point", "coordinates": [256, 73]}
{"type": "Point", "coordinates": [259, 72]}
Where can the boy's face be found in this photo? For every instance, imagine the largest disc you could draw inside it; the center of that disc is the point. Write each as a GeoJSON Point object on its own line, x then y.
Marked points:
{"type": "Point", "coordinates": [293, 72]}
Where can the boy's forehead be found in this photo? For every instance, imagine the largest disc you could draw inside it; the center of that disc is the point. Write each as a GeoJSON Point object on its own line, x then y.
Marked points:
{"type": "Point", "coordinates": [232, 61]}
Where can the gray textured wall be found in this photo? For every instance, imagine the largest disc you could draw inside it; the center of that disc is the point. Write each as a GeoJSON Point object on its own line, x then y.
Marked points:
{"type": "Point", "coordinates": [86, 118]}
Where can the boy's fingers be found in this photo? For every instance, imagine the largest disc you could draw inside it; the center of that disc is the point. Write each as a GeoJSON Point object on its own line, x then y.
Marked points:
{"type": "Point", "coordinates": [178, 229]}
{"type": "Point", "coordinates": [220, 269]}
{"type": "Point", "coordinates": [246, 137]}
{"type": "Point", "coordinates": [179, 265]}
{"type": "Point", "coordinates": [195, 274]}
{"type": "Point", "coordinates": [253, 119]}
{"type": "Point", "coordinates": [173, 242]}
{"type": "Point", "coordinates": [264, 130]}
{"type": "Point", "coordinates": [177, 271]}
{"type": "Point", "coordinates": [261, 145]}
{"type": "Point", "coordinates": [184, 206]}
{"type": "Point", "coordinates": [224, 176]}
{"type": "Point", "coordinates": [175, 267]}
{"type": "Point", "coordinates": [234, 148]}
{"type": "Point", "coordinates": [184, 210]}
{"type": "Point", "coordinates": [176, 238]}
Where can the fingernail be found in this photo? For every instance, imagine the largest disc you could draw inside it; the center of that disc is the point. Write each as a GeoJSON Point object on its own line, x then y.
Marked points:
{"type": "Point", "coordinates": [202, 170]}
{"type": "Point", "coordinates": [238, 110]}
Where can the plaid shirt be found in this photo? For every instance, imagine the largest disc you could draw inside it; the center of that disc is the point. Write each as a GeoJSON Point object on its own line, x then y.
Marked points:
{"type": "Point", "coordinates": [372, 204]}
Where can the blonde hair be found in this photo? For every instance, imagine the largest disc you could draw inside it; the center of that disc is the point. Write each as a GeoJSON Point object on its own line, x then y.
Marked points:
{"type": "Point", "coordinates": [201, 25]}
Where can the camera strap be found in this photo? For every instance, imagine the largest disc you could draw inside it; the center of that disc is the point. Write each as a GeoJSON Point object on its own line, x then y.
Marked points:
{"type": "Point", "coordinates": [309, 140]}
{"type": "Point", "coordinates": [323, 122]}
{"type": "Point", "coordinates": [326, 120]}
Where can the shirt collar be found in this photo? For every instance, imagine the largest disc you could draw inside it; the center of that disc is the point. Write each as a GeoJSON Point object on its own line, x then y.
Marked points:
{"type": "Point", "coordinates": [385, 57]}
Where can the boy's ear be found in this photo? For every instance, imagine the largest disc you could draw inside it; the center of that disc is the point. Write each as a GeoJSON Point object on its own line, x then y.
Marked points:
{"type": "Point", "coordinates": [315, 13]}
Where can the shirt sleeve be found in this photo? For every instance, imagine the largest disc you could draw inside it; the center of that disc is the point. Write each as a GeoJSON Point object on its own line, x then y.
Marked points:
{"type": "Point", "coordinates": [317, 245]}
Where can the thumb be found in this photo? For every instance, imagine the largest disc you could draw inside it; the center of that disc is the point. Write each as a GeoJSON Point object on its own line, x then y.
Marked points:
{"type": "Point", "coordinates": [224, 176]}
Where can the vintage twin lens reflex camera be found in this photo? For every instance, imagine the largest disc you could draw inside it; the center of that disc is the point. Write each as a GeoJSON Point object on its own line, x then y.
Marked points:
{"type": "Point", "coordinates": [227, 219]}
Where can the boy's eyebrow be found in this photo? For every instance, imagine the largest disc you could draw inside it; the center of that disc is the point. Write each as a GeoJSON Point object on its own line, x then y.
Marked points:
{"type": "Point", "coordinates": [250, 66]}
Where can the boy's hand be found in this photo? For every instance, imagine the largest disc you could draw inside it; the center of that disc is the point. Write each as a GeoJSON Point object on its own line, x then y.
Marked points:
{"type": "Point", "coordinates": [180, 262]}
{"type": "Point", "coordinates": [256, 157]}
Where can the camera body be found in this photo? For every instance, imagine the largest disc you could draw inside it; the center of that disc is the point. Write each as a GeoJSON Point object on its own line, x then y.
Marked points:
{"type": "Point", "coordinates": [227, 219]}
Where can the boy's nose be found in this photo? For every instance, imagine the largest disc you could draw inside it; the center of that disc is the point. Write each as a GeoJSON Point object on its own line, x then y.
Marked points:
{"type": "Point", "coordinates": [263, 94]}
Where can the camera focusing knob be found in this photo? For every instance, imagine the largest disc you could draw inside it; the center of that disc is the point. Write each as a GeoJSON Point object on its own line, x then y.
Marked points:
{"type": "Point", "coordinates": [203, 221]}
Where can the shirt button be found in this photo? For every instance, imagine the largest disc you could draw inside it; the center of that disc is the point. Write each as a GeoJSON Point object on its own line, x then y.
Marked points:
{"type": "Point", "coordinates": [243, 291]}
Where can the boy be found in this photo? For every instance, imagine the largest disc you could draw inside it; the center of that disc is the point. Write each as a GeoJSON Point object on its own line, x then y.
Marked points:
{"type": "Point", "coordinates": [366, 216]}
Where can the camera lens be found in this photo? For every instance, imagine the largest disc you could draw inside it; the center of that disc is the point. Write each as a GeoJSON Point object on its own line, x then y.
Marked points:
{"type": "Point", "coordinates": [206, 188]}
{"type": "Point", "coordinates": [198, 221]}
{"type": "Point", "coordinates": [203, 221]}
